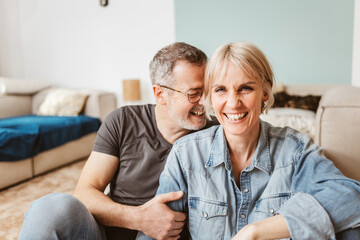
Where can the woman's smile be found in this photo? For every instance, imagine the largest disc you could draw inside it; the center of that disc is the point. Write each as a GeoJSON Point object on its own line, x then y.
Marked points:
{"type": "Point", "coordinates": [234, 117]}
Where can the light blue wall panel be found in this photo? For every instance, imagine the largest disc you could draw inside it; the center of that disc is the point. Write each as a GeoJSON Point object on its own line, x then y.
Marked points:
{"type": "Point", "coordinates": [306, 41]}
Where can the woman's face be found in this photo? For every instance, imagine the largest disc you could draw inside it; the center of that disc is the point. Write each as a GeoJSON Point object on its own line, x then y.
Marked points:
{"type": "Point", "coordinates": [237, 101]}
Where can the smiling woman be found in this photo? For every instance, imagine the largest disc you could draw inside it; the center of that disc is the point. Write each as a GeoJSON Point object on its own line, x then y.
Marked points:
{"type": "Point", "coordinates": [247, 179]}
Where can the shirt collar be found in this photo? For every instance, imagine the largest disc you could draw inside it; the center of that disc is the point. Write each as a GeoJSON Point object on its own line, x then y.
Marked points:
{"type": "Point", "coordinates": [219, 151]}
{"type": "Point", "coordinates": [262, 159]}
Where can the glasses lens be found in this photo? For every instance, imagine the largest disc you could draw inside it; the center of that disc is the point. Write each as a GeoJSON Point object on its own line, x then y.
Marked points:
{"type": "Point", "coordinates": [194, 95]}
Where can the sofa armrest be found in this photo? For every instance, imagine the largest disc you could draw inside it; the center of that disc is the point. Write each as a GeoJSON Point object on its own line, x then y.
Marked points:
{"type": "Point", "coordinates": [338, 128]}
{"type": "Point", "coordinates": [98, 104]}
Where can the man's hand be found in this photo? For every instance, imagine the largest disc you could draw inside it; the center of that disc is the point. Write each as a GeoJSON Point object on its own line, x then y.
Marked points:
{"type": "Point", "coordinates": [158, 221]}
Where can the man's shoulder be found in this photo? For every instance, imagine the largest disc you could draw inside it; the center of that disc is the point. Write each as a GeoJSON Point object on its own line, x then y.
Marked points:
{"type": "Point", "coordinates": [137, 109]}
{"type": "Point", "coordinates": [133, 111]}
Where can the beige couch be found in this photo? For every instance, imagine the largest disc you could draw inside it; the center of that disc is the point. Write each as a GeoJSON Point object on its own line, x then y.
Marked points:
{"type": "Point", "coordinates": [98, 104]}
{"type": "Point", "coordinates": [336, 123]}
{"type": "Point", "coordinates": [338, 128]}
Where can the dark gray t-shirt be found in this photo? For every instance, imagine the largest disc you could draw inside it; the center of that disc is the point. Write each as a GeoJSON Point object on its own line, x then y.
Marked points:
{"type": "Point", "coordinates": [130, 133]}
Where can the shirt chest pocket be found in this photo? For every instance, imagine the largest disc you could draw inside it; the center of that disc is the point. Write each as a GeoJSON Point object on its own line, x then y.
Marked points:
{"type": "Point", "coordinates": [207, 218]}
{"type": "Point", "coordinates": [268, 206]}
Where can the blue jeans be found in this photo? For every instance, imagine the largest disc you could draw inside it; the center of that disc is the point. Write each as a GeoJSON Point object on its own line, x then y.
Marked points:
{"type": "Point", "coordinates": [60, 216]}
{"type": "Point", "coordinates": [349, 234]}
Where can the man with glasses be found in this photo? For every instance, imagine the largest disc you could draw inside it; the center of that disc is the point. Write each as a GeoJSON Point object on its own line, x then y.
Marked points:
{"type": "Point", "coordinates": [130, 152]}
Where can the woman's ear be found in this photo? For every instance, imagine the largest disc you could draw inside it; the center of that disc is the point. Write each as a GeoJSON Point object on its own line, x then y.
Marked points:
{"type": "Point", "coordinates": [159, 94]}
{"type": "Point", "coordinates": [265, 96]}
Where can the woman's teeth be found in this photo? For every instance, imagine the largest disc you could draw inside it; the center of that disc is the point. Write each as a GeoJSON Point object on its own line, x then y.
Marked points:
{"type": "Point", "coordinates": [235, 117]}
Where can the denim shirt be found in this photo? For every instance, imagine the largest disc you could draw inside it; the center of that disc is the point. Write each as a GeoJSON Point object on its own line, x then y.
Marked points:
{"type": "Point", "coordinates": [288, 176]}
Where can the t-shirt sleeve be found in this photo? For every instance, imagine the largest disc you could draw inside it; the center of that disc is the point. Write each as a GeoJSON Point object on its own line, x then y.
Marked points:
{"type": "Point", "coordinates": [109, 134]}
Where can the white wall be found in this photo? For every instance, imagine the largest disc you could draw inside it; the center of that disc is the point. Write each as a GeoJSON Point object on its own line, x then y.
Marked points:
{"type": "Point", "coordinates": [11, 51]}
{"type": "Point", "coordinates": [356, 46]}
{"type": "Point", "coordinates": [78, 43]}
{"type": "Point", "coordinates": [81, 44]}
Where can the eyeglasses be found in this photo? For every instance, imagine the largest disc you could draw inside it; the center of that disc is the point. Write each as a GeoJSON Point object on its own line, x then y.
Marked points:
{"type": "Point", "coordinates": [193, 95]}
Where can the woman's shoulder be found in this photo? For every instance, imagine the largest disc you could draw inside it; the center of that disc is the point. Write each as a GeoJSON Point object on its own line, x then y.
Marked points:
{"type": "Point", "coordinates": [199, 136]}
{"type": "Point", "coordinates": [285, 133]}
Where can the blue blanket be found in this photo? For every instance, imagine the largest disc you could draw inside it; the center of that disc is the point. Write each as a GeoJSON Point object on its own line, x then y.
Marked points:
{"type": "Point", "coordinates": [25, 136]}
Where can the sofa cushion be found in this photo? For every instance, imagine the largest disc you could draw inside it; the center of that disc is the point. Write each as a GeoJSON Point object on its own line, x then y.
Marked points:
{"type": "Point", "coordinates": [299, 119]}
{"type": "Point", "coordinates": [63, 102]}
{"type": "Point", "coordinates": [25, 136]}
{"type": "Point", "coordinates": [11, 106]}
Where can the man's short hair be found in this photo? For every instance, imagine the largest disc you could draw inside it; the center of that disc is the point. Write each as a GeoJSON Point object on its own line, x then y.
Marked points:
{"type": "Point", "coordinates": [164, 61]}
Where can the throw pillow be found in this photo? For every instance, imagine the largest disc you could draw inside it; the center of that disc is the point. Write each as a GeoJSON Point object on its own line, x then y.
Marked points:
{"type": "Point", "coordinates": [309, 102]}
{"type": "Point", "coordinates": [63, 102]}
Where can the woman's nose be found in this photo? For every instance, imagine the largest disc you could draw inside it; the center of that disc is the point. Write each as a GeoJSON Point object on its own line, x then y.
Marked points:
{"type": "Point", "coordinates": [233, 100]}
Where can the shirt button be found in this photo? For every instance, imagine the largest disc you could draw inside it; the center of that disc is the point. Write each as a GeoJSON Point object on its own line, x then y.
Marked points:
{"type": "Point", "coordinates": [246, 190]}
{"type": "Point", "coordinates": [271, 210]}
{"type": "Point", "coordinates": [205, 215]}
{"type": "Point", "coordinates": [243, 216]}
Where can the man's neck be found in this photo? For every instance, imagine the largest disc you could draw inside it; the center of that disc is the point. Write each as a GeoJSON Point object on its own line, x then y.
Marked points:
{"type": "Point", "coordinates": [168, 128]}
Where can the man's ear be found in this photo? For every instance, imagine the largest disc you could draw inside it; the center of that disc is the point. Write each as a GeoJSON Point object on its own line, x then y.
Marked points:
{"type": "Point", "coordinates": [159, 94]}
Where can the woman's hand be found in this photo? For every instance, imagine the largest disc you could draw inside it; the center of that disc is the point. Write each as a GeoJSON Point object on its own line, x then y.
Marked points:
{"type": "Point", "coordinates": [271, 228]}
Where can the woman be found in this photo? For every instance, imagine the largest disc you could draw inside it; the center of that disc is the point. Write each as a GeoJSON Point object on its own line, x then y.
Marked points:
{"type": "Point", "coordinates": [247, 179]}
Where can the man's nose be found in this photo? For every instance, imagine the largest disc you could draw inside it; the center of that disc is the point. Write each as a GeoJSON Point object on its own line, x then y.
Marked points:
{"type": "Point", "coordinates": [202, 100]}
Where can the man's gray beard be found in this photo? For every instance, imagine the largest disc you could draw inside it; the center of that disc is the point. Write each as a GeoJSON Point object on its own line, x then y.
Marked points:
{"type": "Point", "coordinates": [184, 123]}
{"type": "Point", "coordinates": [189, 126]}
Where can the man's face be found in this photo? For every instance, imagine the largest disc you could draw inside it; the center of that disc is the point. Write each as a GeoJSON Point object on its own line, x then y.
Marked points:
{"type": "Point", "coordinates": [188, 115]}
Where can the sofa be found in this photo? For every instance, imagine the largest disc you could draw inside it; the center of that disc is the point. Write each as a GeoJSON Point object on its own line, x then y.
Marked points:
{"type": "Point", "coordinates": [334, 125]}
{"type": "Point", "coordinates": [17, 104]}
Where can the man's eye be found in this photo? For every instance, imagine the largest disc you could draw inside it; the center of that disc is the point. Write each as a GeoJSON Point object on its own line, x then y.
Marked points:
{"type": "Point", "coordinates": [195, 92]}
{"type": "Point", "coordinates": [194, 95]}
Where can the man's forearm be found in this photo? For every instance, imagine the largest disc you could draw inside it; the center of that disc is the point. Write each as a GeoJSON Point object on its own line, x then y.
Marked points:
{"type": "Point", "coordinates": [106, 211]}
{"type": "Point", "coordinates": [154, 218]}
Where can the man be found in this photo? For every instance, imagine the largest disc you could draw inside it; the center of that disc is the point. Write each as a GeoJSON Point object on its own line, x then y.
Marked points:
{"type": "Point", "coordinates": [129, 153]}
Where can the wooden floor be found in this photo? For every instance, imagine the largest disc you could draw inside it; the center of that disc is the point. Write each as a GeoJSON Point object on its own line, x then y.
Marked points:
{"type": "Point", "coordinates": [15, 201]}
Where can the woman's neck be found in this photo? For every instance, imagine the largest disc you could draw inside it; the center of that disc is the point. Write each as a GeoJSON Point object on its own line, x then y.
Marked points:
{"type": "Point", "coordinates": [241, 150]}
{"type": "Point", "coordinates": [243, 145]}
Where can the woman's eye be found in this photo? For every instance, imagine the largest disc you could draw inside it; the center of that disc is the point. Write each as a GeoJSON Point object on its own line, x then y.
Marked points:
{"type": "Point", "coordinates": [246, 88]}
{"type": "Point", "coordinates": [219, 90]}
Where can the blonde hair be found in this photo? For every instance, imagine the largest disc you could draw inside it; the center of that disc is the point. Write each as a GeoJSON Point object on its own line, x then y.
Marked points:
{"type": "Point", "coordinates": [250, 59]}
